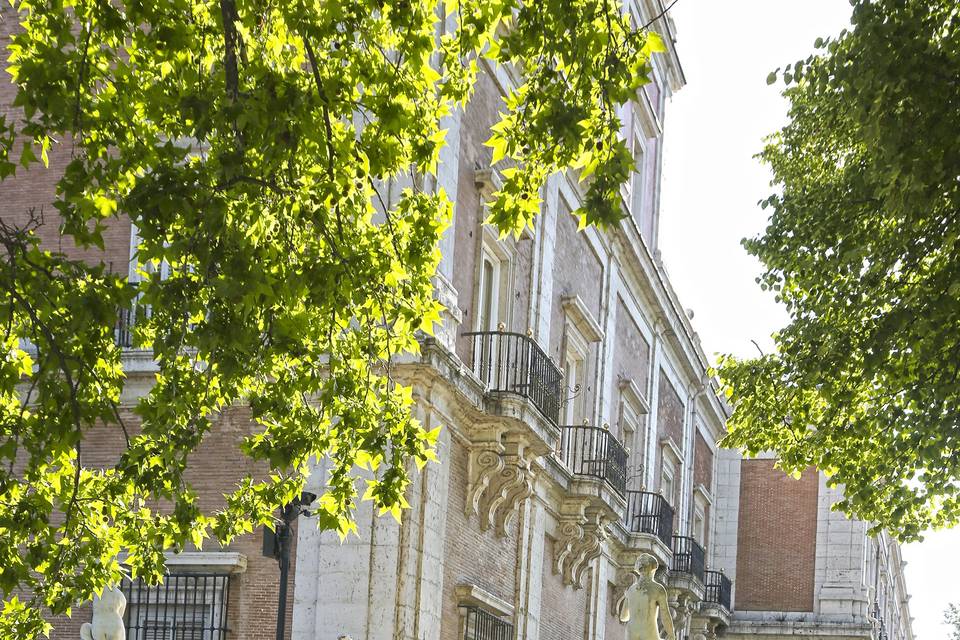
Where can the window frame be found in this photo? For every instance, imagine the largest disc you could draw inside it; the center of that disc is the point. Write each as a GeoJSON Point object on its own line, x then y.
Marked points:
{"type": "Point", "coordinates": [158, 611]}
{"type": "Point", "coordinates": [576, 351]}
{"type": "Point", "coordinates": [489, 292]}
{"type": "Point", "coordinates": [668, 472]}
{"type": "Point", "coordinates": [501, 257]}
{"type": "Point", "coordinates": [636, 192]}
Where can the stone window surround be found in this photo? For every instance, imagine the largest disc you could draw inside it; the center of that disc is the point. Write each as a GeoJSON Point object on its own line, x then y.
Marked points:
{"type": "Point", "coordinates": [580, 330]}
{"type": "Point", "coordinates": [471, 595]}
{"type": "Point", "coordinates": [155, 616]}
{"type": "Point", "coordinates": [578, 315]}
{"type": "Point", "coordinates": [503, 253]}
{"type": "Point", "coordinates": [671, 459]}
{"type": "Point", "coordinates": [132, 274]}
{"type": "Point", "coordinates": [637, 180]}
{"type": "Point", "coordinates": [631, 418]}
{"type": "Point", "coordinates": [633, 408]}
{"type": "Point", "coordinates": [576, 349]}
{"type": "Point", "coordinates": [701, 500]}
{"type": "Point", "coordinates": [217, 562]}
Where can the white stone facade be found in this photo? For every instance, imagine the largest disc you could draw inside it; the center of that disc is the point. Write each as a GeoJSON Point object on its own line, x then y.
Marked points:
{"type": "Point", "coordinates": [505, 527]}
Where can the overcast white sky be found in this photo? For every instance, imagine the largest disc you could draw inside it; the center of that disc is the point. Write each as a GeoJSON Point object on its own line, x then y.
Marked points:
{"type": "Point", "coordinates": [711, 185]}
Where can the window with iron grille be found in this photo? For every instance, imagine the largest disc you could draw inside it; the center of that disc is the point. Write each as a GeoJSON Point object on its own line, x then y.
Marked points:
{"type": "Point", "coordinates": [184, 607]}
{"type": "Point", "coordinates": [483, 625]}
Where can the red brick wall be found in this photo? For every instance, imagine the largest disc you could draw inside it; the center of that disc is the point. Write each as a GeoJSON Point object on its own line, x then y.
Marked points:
{"type": "Point", "coordinates": [481, 113]}
{"type": "Point", "coordinates": [650, 201]}
{"type": "Point", "coordinates": [577, 270]}
{"type": "Point", "coordinates": [563, 609]}
{"type": "Point", "coordinates": [669, 422]}
{"type": "Point", "coordinates": [703, 474]}
{"type": "Point", "coordinates": [218, 463]}
{"type": "Point", "coordinates": [631, 353]}
{"type": "Point", "coordinates": [36, 189]}
{"type": "Point", "coordinates": [702, 462]}
{"type": "Point", "coordinates": [613, 628]}
{"type": "Point", "coordinates": [776, 539]}
{"type": "Point", "coordinates": [214, 469]}
{"type": "Point", "coordinates": [472, 556]}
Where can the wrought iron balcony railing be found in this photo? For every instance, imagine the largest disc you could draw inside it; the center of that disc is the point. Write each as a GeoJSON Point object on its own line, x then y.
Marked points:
{"type": "Point", "coordinates": [123, 334]}
{"type": "Point", "coordinates": [126, 319]}
{"type": "Point", "coordinates": [513, 363]}
{"type": "Point", "coordinates": [595, 452]}
{"type": "Point", "coordinates": [483, 625]}
{"type": "Point", "coordinates": [183, 606]}
{"type": "Point", "coordinates": [649, 513]}
{"type": "Point", "coordinates": [688, 556]}
{"type": "Point", "coordinates": [716, 588]}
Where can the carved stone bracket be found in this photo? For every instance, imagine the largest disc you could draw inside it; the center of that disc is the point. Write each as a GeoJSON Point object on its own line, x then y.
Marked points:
{"type": "Point", "coordinates": [485, 463]}
{"type": "Point", "coordinates": [682, 606]}
{"type": "Point", "coordinates": [518, 460]}
{"type": "Point", "coordinates": [500, 480]}
{"type": "Point", "coordinates": [509, 488]}
{"type": "Point", "coordinates": [703, 628]}
{"type": "Point", "coordinates": [582, 533]}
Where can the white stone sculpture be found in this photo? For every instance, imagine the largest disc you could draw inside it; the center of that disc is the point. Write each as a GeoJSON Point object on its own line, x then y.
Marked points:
{"type": "Point", "coordinates": [645, 605]}
{"type": "Point", "coordinates": [107, 623]}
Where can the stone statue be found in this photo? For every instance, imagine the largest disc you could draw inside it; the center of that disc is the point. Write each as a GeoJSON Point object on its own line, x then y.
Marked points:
{"type": "Point", "coordinates": [107, 621]}
{"type": "Point", "coordinates": [646, 605]}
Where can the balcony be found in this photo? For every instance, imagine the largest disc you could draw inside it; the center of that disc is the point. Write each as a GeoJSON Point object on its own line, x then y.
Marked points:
{"type": "Point", "coordinates": [716, 589]}
{"type": "Point", "coordinates": [126, 319]}
{"type": "Point", "coordinates": [688, 557]}
{"type": "Point", "coordinates": [651, 514]}
{"type": "Point", "coordinates": [123, 333]}
{"type": "Point", "coordinates": [596, 453]}
{"type": "Point", "coordinates": [512, 363]}
{"type": "Point", "coordinates": [483, 625]}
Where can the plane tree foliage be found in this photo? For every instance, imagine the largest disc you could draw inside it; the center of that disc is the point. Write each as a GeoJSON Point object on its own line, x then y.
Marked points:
{"type": "Point", "coordinates": [951, 618]}
{"type": "Point", "coordinates": [863, 249]}
{"type": "Point", "coordinates": [278, 161]}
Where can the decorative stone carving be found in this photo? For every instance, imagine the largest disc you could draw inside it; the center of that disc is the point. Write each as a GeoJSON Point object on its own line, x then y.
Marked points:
{"type": "Point", "coordinates": [515, 487]}
{"type": "Point", "coordinates": [484, 464]}
{"type": "Point", "coordinates": [587, 551]}
{"type": "Point", "coordinates": [582, 534]}
{"type": "Point", "coordinates": [646, 605]}
{"type": "Point", "coordinates": [107, 622]}
{"type": "Point", "coordinates": [500, 479]}
{"type": "Point", "coordinates": [682, 606]}
{"type": "Point", "coordinates": [703, 628]}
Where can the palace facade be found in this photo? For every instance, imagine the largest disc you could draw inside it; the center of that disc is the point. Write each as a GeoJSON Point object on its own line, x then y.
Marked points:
{"type": "Point", "coordinates": [580, 431]}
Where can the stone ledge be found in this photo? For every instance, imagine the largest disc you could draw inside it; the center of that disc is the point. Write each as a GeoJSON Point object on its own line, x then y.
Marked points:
{"type": "Point", "coordinates": [222, 562]}
{"type": "Point", "coordinates": [229, 562]}
{"type": "Point", "coordinates": [715, 612]}
{"type": "Point", "coordinates": [824, 629]}
{"type": "Point", "coordinates": [473, 595]}
{"type": "Point", "coordinates": [138, 360]}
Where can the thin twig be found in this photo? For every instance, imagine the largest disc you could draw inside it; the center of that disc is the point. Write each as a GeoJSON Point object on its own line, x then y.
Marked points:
{"type": "Point", "coordinates": [660, 15]}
